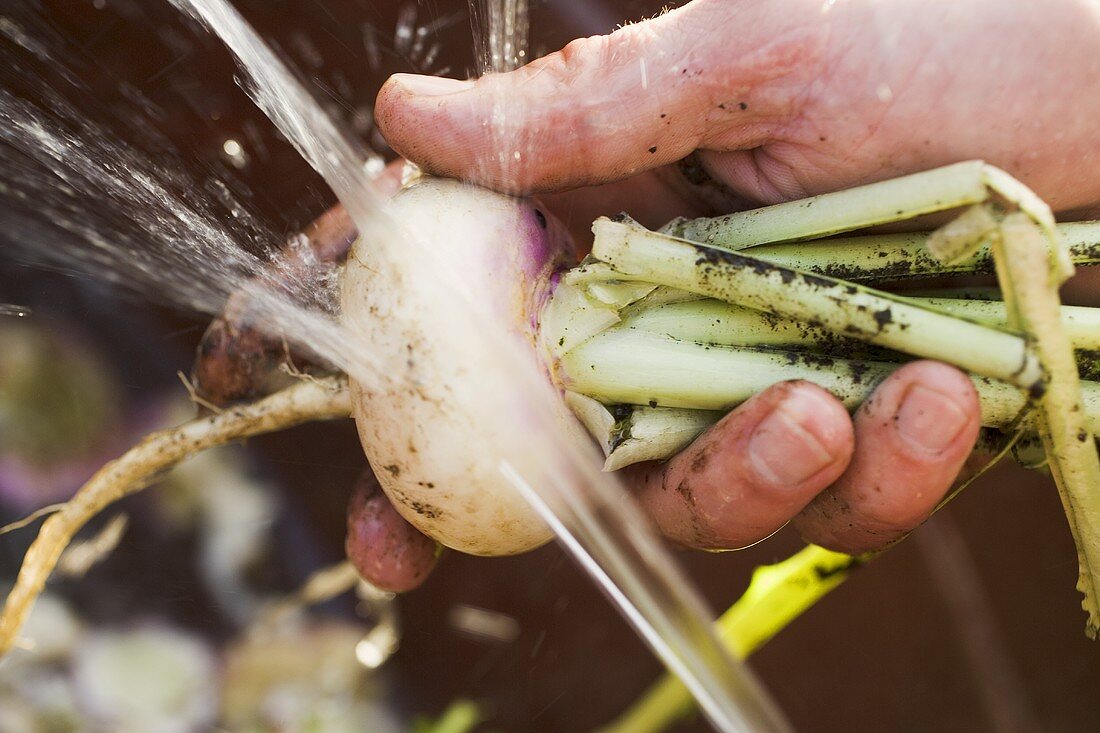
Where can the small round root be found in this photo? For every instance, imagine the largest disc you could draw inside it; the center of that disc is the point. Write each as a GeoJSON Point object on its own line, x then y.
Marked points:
{"type": "Point", "coordinates": [386, 550]}
{"type": "Point", "coordinates": [321, 399]}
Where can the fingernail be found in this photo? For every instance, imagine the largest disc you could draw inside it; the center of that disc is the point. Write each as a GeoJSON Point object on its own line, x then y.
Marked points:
{"type": "Point", "coordinates": [929, 420]}
{"type": "Point", "coordinates": [785, 449]}
{"type": "Point", "coordinates": [431, 86]}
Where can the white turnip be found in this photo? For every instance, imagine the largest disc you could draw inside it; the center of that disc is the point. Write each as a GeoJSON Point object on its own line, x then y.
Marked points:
{"type": "Point", "coordinates": [432, 432]}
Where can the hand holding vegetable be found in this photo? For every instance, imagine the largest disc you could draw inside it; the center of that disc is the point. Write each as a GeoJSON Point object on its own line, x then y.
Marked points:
{"type": "Point", "coordinates": [767, 102]}
{"type": "Point", "coordinates": [775, 101]}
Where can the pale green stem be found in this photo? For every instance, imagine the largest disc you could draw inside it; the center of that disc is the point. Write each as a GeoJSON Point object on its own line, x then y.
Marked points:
{"type": "Point", "coordinates": [713, 321]}
{"type": "Point", "coordinates": [887, 201]}
{"type": "Point", "coordinates": [905, 256]}
{"type": "Point", "coordinates": [883, 257]}
{"type": "Point", "coordinates": [635, 433]}
{"type": "Point", "coordinates": [1029, 274]}
{"type": "Point", "coordinates": [776, 596]}
{"type": "Point", "coordinates": [1081, 324]}
{"type": "Point", "coordinates": [849, 310]}
{"type": "Point", "coordinates": [624, 366]}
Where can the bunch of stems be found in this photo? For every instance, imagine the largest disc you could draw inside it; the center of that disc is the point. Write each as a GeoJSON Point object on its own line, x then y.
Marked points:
{"type": "Point", "coordinates": [658, 334]}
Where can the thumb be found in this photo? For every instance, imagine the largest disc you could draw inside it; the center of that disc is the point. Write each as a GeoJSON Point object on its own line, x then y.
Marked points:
{"type": "Point", "coordinates": [606, 107]}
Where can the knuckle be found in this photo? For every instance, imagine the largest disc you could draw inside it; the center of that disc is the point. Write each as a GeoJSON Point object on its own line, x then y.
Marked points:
{"type": "Point", "coordinates": [576, 60]}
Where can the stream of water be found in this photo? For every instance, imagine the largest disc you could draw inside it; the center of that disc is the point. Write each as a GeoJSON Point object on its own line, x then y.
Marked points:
{"type": "Point", "coordinates": [198, 259]}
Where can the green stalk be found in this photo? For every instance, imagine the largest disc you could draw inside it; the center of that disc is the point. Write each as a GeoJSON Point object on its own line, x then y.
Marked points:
{"type": "Point", "coordinates": [1029, 273]}
{"type": "Point", "coordinates": [711, 321]}
{"type": "Point", "coordinates": [879, 257]}
{"type": "Point", "coordinates": [851, 310]}
{"type": "Point", "coordinates": [1081, 325]}
{"type": "Point", "coordinates": [629, 367]}
{"type": "Point", "coordinates": [620, 366]}
{"type": "Point", "coordinates": [884, 257]}
{"type": "Point", "coordinates": [949, 187]}
{"type": "Point", "coordinates": [776, 596]}
{"type": "Point", "coordinates": [634, 433]}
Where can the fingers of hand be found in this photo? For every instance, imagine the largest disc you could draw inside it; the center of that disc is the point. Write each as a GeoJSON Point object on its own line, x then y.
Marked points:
{"type": "Point", "coordinates": [608, 107]}
{"type": "Point", "coordinates": [753, 471]}
{"type": "Point", "coordinates": [912, 438]}
{"type": "Point", "coordinates": [555, 114]}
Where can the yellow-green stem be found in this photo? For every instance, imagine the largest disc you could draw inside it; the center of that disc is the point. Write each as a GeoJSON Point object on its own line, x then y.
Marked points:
{"type": "Point", "coordinates": [776, 596]}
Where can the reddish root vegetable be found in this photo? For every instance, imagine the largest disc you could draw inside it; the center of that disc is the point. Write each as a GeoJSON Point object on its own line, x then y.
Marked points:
{"type": "Point", "coordinates": [238, 358]}
{"type": "Point", "coordinates": [385, 549]}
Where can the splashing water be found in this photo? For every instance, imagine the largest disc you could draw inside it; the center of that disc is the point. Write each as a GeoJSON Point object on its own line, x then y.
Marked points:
{"type": "Point", "coordinates": [587, 510]}
{"type": "Point", "coordinates": [78, 202]}
{"type": "Point", "coordinates": [199, 259]}
{"type": "Point", "coordinates": [500, 34]}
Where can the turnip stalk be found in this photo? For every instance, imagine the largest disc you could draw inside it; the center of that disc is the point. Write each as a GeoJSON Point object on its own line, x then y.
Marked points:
{"type": "Point", "coordinates": [852, 310]}
{"type": "Point", "coordinates": [777, 594]}
{"type": "Point", "coordinates": [712, 321]}
{"type": "Point", "coordinates": [906, 256]}
{"type": "Point", "coordinates": [634, 433]}
{"type": "Point", "coordinates": [624, 368]}
{"type": "Point", "coordinates": [1027, 268]}
{"type": "Point", "coordinates": [1031, 352]}
{"type": "Point", "coordinates": [884, 257]}
{"type": "Point", "coordinates": [950, 187]}
{"type": "Point", "coordinates": [1081, 325]}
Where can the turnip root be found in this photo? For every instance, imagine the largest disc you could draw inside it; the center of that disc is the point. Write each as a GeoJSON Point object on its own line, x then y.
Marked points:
{"type": "Point", "coordinates": [429, 432]}
{"type": "Point", "coordinates": [322, 399]}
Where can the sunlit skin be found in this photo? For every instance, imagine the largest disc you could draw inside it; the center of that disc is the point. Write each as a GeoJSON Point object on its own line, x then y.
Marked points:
{"type": "Point", "coordinates": [781, 100]}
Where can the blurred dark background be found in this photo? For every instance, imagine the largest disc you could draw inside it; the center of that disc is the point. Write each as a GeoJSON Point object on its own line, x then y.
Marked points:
{"type": "Point", "coordinates": [972, 624]}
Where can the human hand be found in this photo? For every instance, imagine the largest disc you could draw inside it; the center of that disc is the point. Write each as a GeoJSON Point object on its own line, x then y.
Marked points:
{"type": "Point", "coordinates": [775, 101]}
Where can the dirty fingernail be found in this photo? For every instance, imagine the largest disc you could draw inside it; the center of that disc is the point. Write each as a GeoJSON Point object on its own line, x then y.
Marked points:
{"type": "Point", "coordinates": [785, 449]}
{"type": "Point", "coordinates": [431, 86]}
{"type": "Point", "coordinates": [929, 420]}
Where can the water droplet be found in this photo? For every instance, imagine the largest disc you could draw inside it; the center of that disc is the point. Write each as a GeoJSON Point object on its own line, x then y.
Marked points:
{"type": "Point", "coordinates": [403, 32]}
{"type": "Point", "coordinates": [374, 166]}
{"type": "Point", "coordinates": [234, 153]}
{"type": "Point", "coordinates": [483, 623]}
